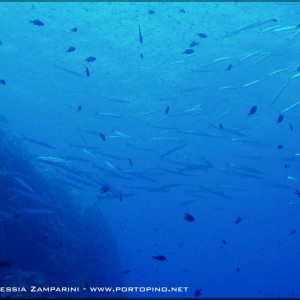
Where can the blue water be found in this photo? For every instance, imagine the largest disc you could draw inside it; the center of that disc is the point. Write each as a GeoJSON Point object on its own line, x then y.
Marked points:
{"type": "Point", "coordinates": [180, 114]}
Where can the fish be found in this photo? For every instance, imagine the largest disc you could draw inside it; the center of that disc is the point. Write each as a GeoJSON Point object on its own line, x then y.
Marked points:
{"type": "Point", "coordinates": [3, 81]}
{"type": "Point", "coordinates": [291, 127]}
{"type": "Point", "coordinates": [121, 195]}
{"type": "Point", "coordinates": [71, 49]}
{"type": "Point", "coordinates": [90, 59]}
{"type": "Point", "coordinates": [24, 185]}
{"type": "Point", "coordinates": [37, 142]}
{"type": "Point", "coordinates": [250, 26]}
{"type": "Point", "coordinates": [102, 136]}
{"type": "Point", "coordinates": [188, 217]}
{"type": "Point", "coordinates": [105, 189]}
{"type": "Point", "coordinates": [87, 72]}
{"type": "Point", "coordinates": [251, 83]}
{"type": "Point", "coordinates": [167, 110]}
{"type": "Point", "coordinates": [36, 22]}
{"type": "Point", "coordinates": [193, 44]}
{"type": "Point", "coordinates": [293, 231]}
{"type": "Point", "coordinates": [279, 147]}
{"type": "Point", "coordinates": [221, 126]}
{"type": "Point", "coordinates": [68, 71]}
{"type": "Point", "coordinates": [188, 51]}
{"type": "Point", "coordinates": [202, 35]}
{"type": "Point", "coordinates": [224, 242]}
{"type": "Point", "coordinates": [238, 220]}
{"type": "Point", "coordinates": [74, 29]}
{"type": "Point", "coordinates": [229, 67]}
{"type": "Point", "coordinates": [280, 119]}
{"type": "Point", "coordinates": [140, 35]}
{"type": "Point", "coordinates": [171, 151]}
{"type": "Point", "coordinates": [253, 110]}
{"type": "Point", "coordinates": [290, 107]}
{"type": "Point", "coordinates": [130, 162]}
{"type": "Point", "coordinates": [160, 257]}
{"type": "Point", "coordinates": [151, 11]}
{"type": "Point", "coordinates": [4, 264]}
{"type": "Point", "coordinates": [56, 160]}
{"type": "Point", "coordinates": [197, 293]}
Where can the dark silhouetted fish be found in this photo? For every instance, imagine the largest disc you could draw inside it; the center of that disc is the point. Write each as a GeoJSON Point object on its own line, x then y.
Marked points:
{"type": "Point", "coordinates": [74, 29]}
{"type": "Point", "coordinates": [280, 118]}
{"type": "Point", "coordinates": [189, 218]}
{"type": "Point", "coordinates": [175, 149]}
{"type": "Point", "coordinates": [87, 72]}
{"type": "Point", "coordinates": [79, 108]}
{"type": "Point", "coordinates": [151, 12]}
{"type": "Point", "coordinates": [279, 147]}
{"type": "Point", "coordinates": [229, 67]}
{"type": "Point", "coordinates": [3, 81]}
{"type": "Point", "coordinates": [253, 110]}
{"type": "Point", "coordinates": [71, 49]}
{"type": "Point", "coordinates": [102, 136]}
{"type": "Point", "coordinates": [238, 220]}
{"type": "Point", "coordinates": [36, 22]}
{"type": "Point", "coordinates": [221, 126]}
{"type": "Point", "coordinates": [140, 35]}
{"type": "Point", "coordinates": [105, 189]}
{"type": "Point", "coordinates": [182, 11]}
{"type": "Point", "coordinates": [197, 293]}
{"type": "Point", "coordinates": [293, 231]}
{"type": "Point", "coordinates": [160, 257]}
{"type": "Point", "coordinates": [167, 110]}
{"type": "Point", "coordinates": [4, 264]}
{"type": "Point", "coordinates": [224, 242]}
{"type": "Point", "coordinates": [193, 44]}
{"type": "Point", "coordinates": [202, 35]}
{"type": "Point", "coordinates": [188, 51]}
{"type": "Point", "coordinates": [90, 59]}
{"type": "Point", "coordinates": [130, 162]}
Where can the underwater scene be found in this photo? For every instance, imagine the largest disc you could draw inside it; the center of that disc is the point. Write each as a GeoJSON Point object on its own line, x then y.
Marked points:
{"type": "Point", "coordinates": [149, 149]}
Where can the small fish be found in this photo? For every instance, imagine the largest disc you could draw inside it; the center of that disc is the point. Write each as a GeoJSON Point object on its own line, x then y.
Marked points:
{"type": "Point", "coordinates": [188, 217]}
{"type": "Point", "coordinates": [74, 29]}
{"type": "Point", "coordinates": [229, 67]}
{"type": "Point", "coordinates": [182, 11]}
{"type": "Point", "coordinates": [141, 55]}
{"type": "Point", "coordinates": [188, 51]}
{"type": "Point", "coordinates": [193, 44]}
{"type": "Point", "coordinates": [238, 269]}
{"type": "Point", "coordinates": [140, 35]}
{"type": "Point", "coordinates": [291, 127]}
{"type": "Point", "coordinates": [197, 293]}
{"type": "Point", "coordinates": [121, 196]}
{"type": "Point", "coordinates": [167, 110]}
{"type": "Point", "coordinates": [36, 142]}
{"type": "Point", "coordinates": [286, 166]}
{"type": "Point", "coordinates": [293, 231]}
{"type": "Point", "coordinates": [79, 108]}
{"type": "Point", "coordinates": [151, 12]}
{"type": "Point", "coordinates": [279, 146]}
{"type": "Point", "coordinates": [4, 264]}
{"type": "Point", "coordinates": [130, 162]}
{"type": "Point", "coordinates": [36, 22]}
{"type": "Point", "coordinates": [102, 136]}
{"type": "Point", "coordinates": [253, 110]}
{"type": "Point", "coordinates": [126, 272]}
{"type": "Point", "coordinates": [238, 220]}
{"type": "Point", "coordinates": [221, 126]}
{"type": "Point", "coordinates": [87, 72]}
{"type": "Point", "coordinates": [160, 257]}
{"type": "Point", "coordinates": [280, 119]}
{"type": "Point", "coordinates": [224, 242]}
{"type": "Point", "coordinates": [3, 81]}
{"type": "Point", "coordinates": [202, 35]}
{"type": "Point", "coordinates": [1, 44]}
{"type": "Point", "coordinates": [90, 59]}
{"type": "Point", "coordinates": [71, 49]}
{"type": "Point", "coordinates": [105, 189]}
{"type": "Point", "coordinates": [297, 192]}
